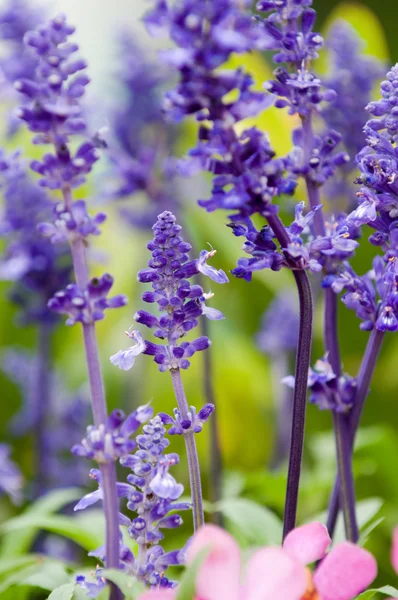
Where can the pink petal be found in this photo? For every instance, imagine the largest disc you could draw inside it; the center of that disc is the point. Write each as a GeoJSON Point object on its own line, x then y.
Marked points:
{"type": "Point", "coordinates": [158, 595]}
{"type": "Point", "coordinates": [394, 550]}
{"type": "Point", "coordinates": [273, 573]}
{"type": "Point", "coordinates": [219, 575]}
{"type": "Point", "coordinates": [345, 572]}
{"type": "Point", "coordinates": [308, 543]}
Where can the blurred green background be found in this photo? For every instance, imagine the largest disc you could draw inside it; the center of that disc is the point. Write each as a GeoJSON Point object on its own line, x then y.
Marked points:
{"type": "Point", "coordinates": [244, 391]}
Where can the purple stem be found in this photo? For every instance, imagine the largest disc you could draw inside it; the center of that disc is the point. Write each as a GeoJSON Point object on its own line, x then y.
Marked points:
{"type": "Point", "coordinates": [215, 446]}
{"type": "Point", "coordinates": [98, 403]}
{"type": "Point", "coordinates": [192, 454]}
{"type": "Point", "coordinates": [303, 357]}
{"type": "Point", "coordinates": [43, 402]}
{"type": "Point", "coordinates": [340, 421]}
{"type": "Point", "coordinates": [365, 375]}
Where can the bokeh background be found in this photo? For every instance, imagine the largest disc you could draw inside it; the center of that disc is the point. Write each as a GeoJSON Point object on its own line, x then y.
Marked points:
{"type": "Point", "coordinates": [245, 389]}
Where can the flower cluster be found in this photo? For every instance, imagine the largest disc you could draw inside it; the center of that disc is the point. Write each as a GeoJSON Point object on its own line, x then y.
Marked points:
{"type": "Point", "coordinates": [353, 76]}
{"type": "Point", "coordinates": [374, 295]}
{"type": "Point", "coordinates": [109, 441]}
{"type": "Point", "coordinates": [88, 305]}
{"type": "Point", "coordinates": [16, 62]}
{"type": "Point", "coordinates": [54, 112]}
{"type": "Point", "coordinates": [141, 150]}
{"type": "Point", "coordinates": [11, 480]}
{"type": "Point", "coordinates": [66, 414]}
{"type": "Point", "coordinates": [152, 494]}
{"type": "Point", "coordinates": [37, 268]}
{"type": "Point", "coordinates": [180, 303]}
{"type": "Point", "coordinates": [327, 391]}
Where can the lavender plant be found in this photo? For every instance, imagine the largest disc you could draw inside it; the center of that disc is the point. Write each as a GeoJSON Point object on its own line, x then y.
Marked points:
{"type": "Point", "coordinates": [54, 115]}
{"type": "Point", "coordinates": [180, 305]}
{"type": "Point", "coordinates": [250, 181]}
{"type": "Point", "coordinates": [152, 494]}
{"type": "Point", "coordinates": [143, 163]}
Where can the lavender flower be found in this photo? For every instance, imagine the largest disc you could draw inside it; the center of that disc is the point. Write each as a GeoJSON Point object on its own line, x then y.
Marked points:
{"type": "Point", "coordinates": [54, 112]}
{"type": "Point", "coordinates": [37, 268]}
{"type": "Point", "coordinates": [353, 76]}
{"type": "Point", "coordinates": [11, 480]}
{"type": "Point", "coordinates": [141, 151]}
{"type": "Point", "coordinates": [180, 303]}
{"type": "Point", "coordinates": [152, 494]}
{"type": "Point", "coordinates": [66, 412]}
{"type": "Point", "coordinates": [247, 176]}
{"type": "Point", "coordinates": [16, 18]}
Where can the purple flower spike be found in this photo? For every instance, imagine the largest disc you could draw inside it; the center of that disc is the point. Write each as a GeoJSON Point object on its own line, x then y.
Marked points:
{"type": "Point", "coordinates": [179, 302]}
{"type": "Point", "coordinates": [88, 305]}
{"type": "Point", "coordinates": [52, 110]}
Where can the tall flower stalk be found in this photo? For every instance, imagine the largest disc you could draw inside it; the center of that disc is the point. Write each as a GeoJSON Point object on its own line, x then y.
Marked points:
{"type": "Point", "coordinates": [180, 305]}
{"type": "Point", "coordinates": [141, 153]}
{"type": "Point", "coordinates": [54, 114]}
{"type": "Point", "coordinates": [373, 295]}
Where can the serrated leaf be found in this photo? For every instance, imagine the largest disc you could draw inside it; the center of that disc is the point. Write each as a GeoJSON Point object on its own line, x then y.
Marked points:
{"type": "Point", "coordinates": [186, 589]}
{"type": "Point", "coordinates": [257, 524]}
{"type": "Point", "coordinates": [129, 586]}
{"type": "Point", "coordinates": [64, 592]}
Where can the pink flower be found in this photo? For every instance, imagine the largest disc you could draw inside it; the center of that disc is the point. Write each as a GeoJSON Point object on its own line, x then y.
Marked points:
{"type": "Point", "coordinates": [394, 550]}
{"type": "Point", "coordinates": [277, 572]}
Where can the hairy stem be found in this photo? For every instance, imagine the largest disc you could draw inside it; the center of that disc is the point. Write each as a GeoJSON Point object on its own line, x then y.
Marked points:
{"type": "Point", "coordinates": [364, 379]}
{"type": "Point", "coordinates": [192, 454]}
{"type": "Point", "coordinates": [43, 405]}
{"type": "Point", "coordinates": [98, 403]}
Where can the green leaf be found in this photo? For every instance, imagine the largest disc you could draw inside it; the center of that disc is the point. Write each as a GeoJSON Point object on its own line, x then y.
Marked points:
{"type": "Point", "coordinates": [78, 528]}
{"type": "Point", "coordinates": [64, 592]}
{"type": "Point", "coordinates": [366, 512]}
{"type": "Point", "coordinates": [16, 578]}
{"type": "Point", "coordinates": [129, 586]}
{"type": "Point", "coordinates": [18, 542]}
{"type": "Point", "coordinates": [11, 564]}
{"type": "Point", "coordinates": [387, 590]}
{"type": "Point", "coordinates": [186, 589]}
{"type": "Point", "coordinates": [50, 576]}
{"type": "Point", "coordinates": [253, 523]}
